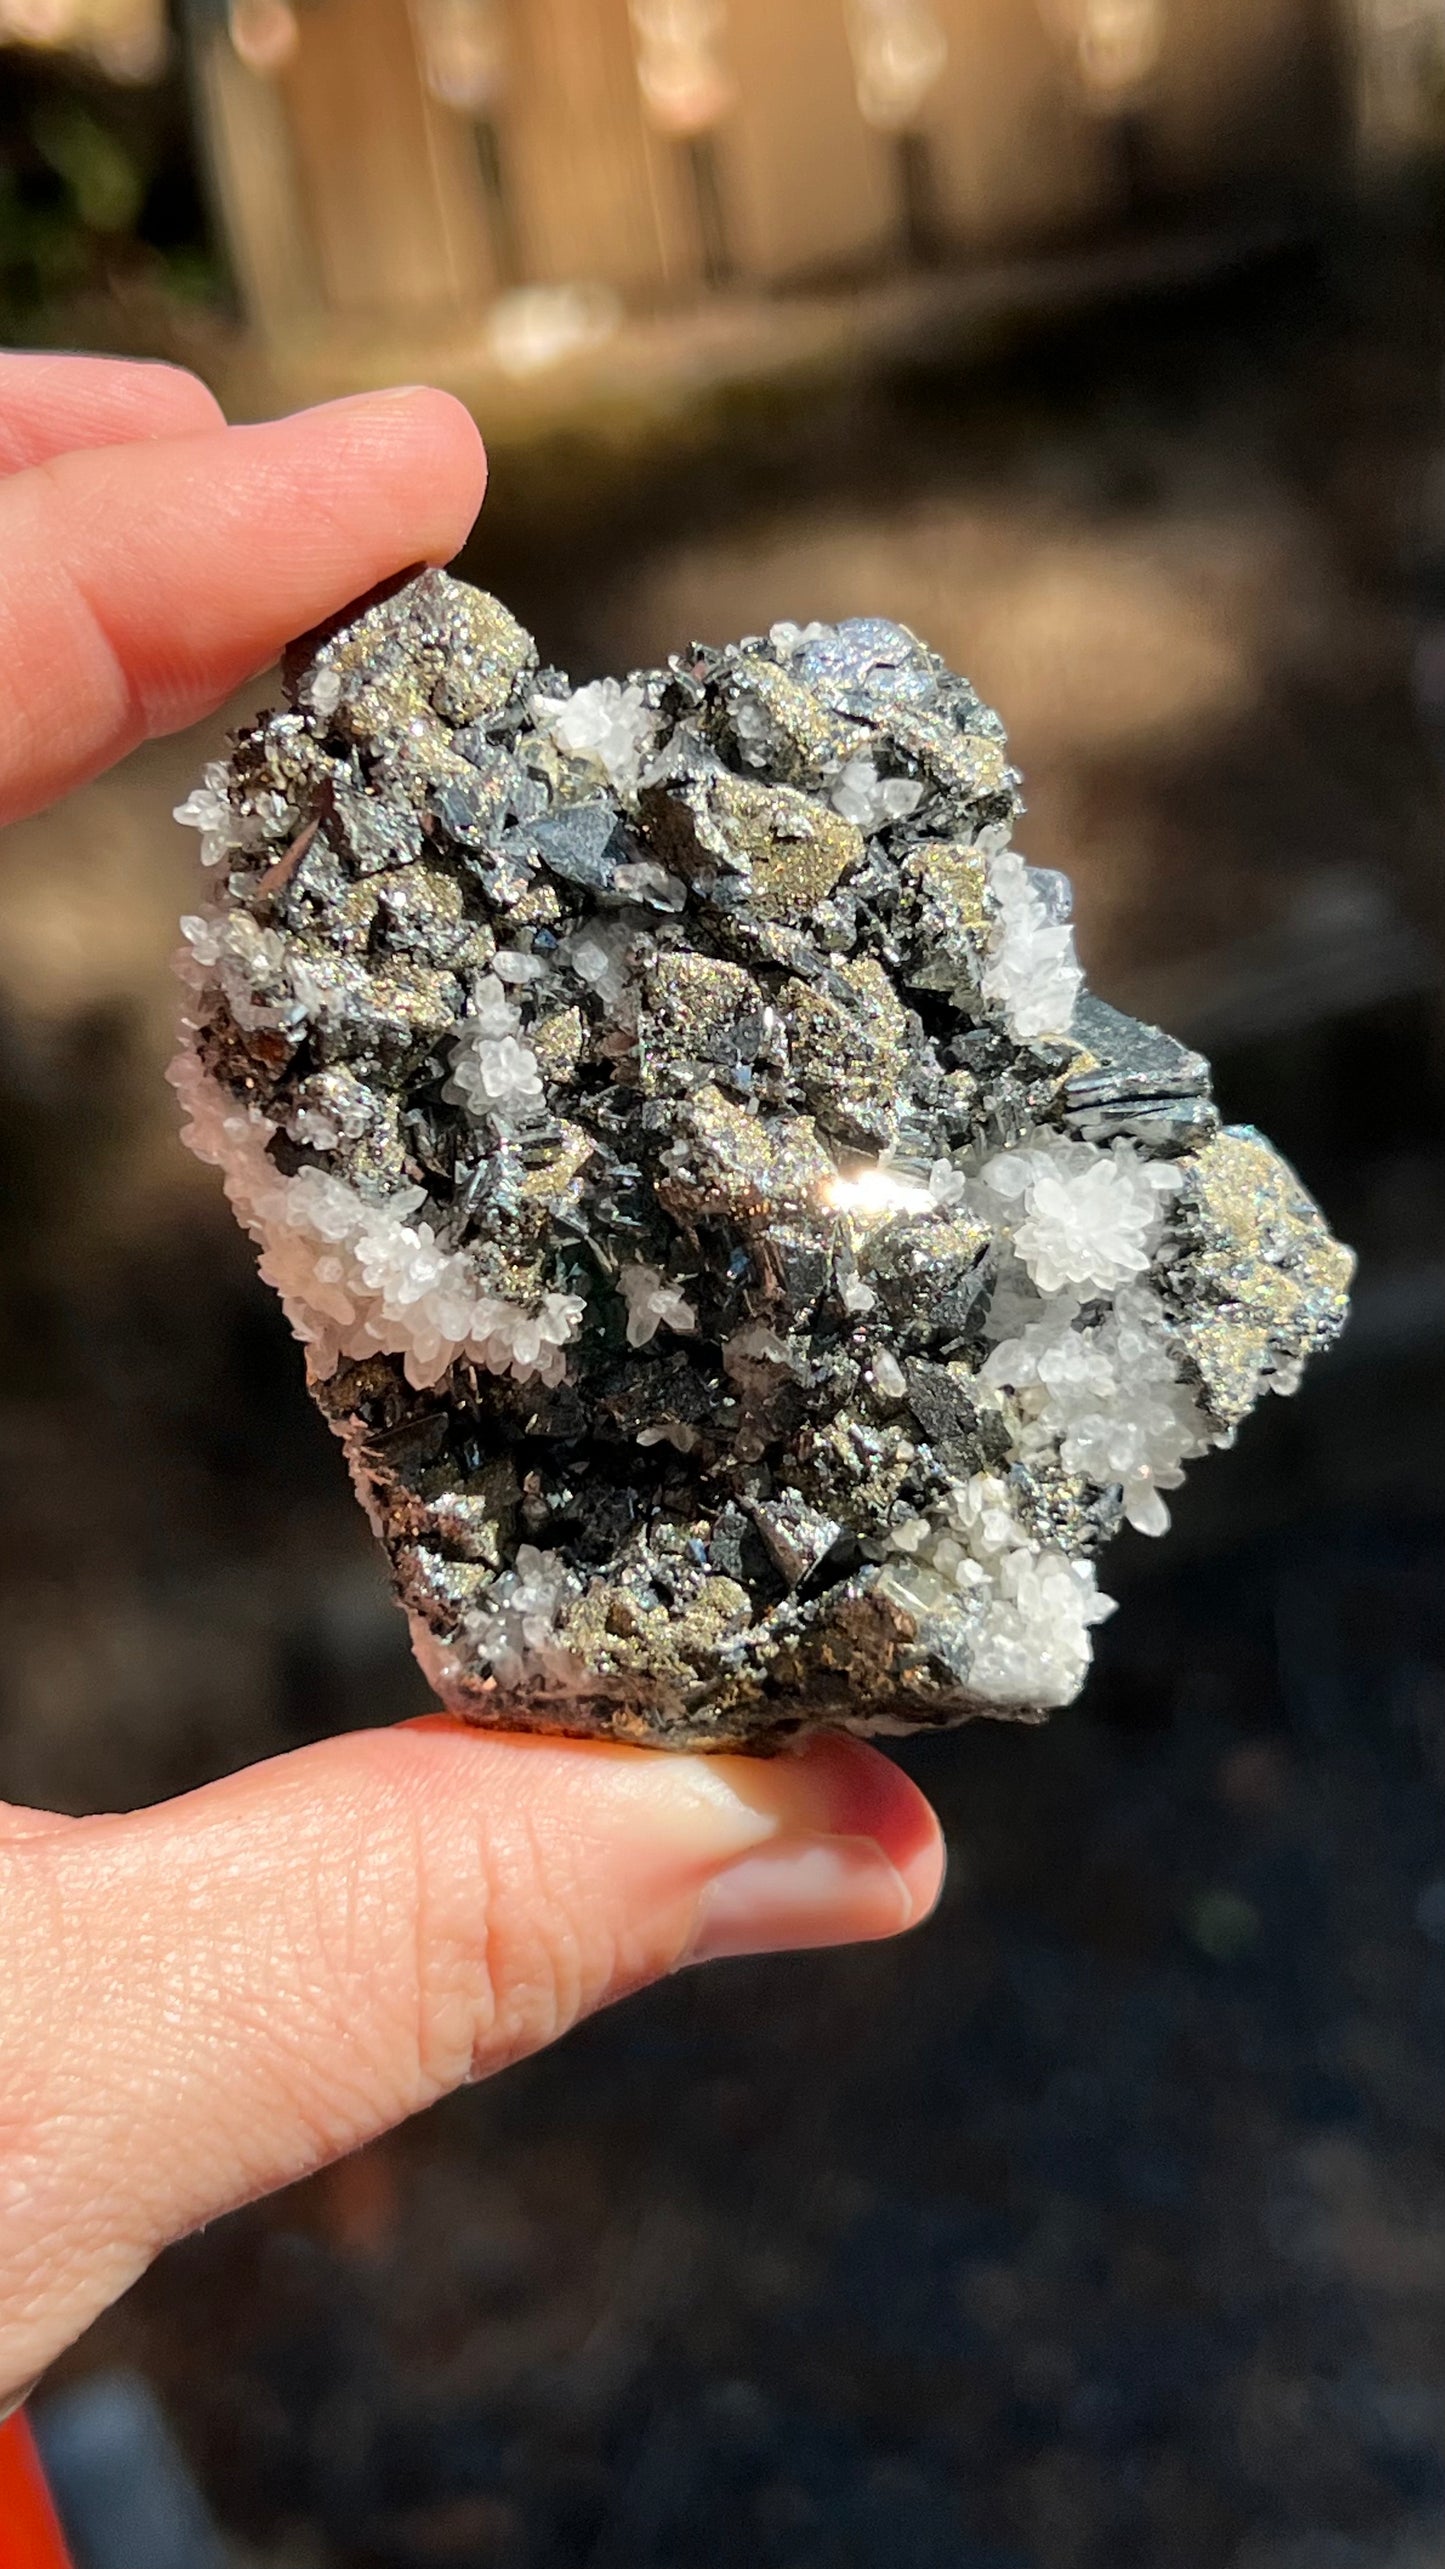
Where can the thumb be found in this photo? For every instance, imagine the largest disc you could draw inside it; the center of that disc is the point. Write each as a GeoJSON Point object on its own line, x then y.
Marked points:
{"type": "Point", "coordinates": [207, 2000]}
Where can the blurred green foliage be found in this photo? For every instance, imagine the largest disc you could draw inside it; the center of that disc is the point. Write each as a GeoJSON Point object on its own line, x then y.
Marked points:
{"type": "Point", "coordinates": [104, 180]}
{"type": "Point", "coordinates": [98, 185]}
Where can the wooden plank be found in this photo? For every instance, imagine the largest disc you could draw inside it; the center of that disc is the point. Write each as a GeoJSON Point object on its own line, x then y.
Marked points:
{"type": "Point", "coordinates": [598, 198]}
{"type": "Point", "coordinates": [1239, 88]}
{"type": "Point", "coordinates": [1016, 156]}
{"type": "Point", "coordinates": [390, 178]}
{"type": "Point", "coordinates": [254, 181]}
{"type": "Point", "coordinates": [807, 185]}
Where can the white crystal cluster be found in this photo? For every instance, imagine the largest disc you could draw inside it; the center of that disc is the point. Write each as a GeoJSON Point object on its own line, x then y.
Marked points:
{"type": "Point", "coordinates": [267, 988]}
{"type": "Point", "coordinates": [322, 691]}
{"type": "Point", "coordinates": [873, 802]}
{"type": "Point", "coordinates": [601, 956]}
{"type": "Point", "coordinates": [653, 1304]}
{"type": "Point", "coordinates": [1100, 1396]}
{"type": "Point", "coordinates": [1083, 1352]}
{"type": "Point", "coordinates": [226, 830]}
{"type": "Point", "coordinates": [606, 725]}
{"type": "Point", "coordinates": [1029, 1607]}
{"type": "Point", "coordinates": [515, 1633]}
{"type": "Point", "coordinates": [755, 733]}
{"type": "Point", "coordinates": [1080, 1215]}
{"type": "Point", "coordinates": [753, 728]}
{"type": "Point", "coordinates": [358, 1278]}
{"type": "Point", "coordinates": [788, 638]}
{"type": "Point", "coordinates": [493, 1074]}
{"type": "Point", "coordinates": [1104, 1395]}
{"type": "Point", "coordinates": [1032, 973]}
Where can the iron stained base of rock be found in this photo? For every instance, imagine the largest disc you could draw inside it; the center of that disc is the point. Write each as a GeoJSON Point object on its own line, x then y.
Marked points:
{"type": "Point", "coordinates": [750, 1279]}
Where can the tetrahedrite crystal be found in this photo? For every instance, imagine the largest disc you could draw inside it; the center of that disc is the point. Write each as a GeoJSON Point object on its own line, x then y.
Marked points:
{"type": "Point", "coordinates": [750, 1281]}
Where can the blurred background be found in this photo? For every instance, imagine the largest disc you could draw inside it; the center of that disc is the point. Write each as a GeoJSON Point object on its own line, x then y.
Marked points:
{"type": "Point", "coordinates": [1102, 2225]}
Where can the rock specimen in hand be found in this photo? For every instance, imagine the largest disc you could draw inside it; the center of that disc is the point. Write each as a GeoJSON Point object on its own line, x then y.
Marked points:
{"type": "Point", "coordinates": [750, 1279]}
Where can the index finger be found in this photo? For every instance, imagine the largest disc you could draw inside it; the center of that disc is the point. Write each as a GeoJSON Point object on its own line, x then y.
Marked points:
{"type": "Point", "coordinates": [140, 584]}
{"type": "Point", "coordinates": [51, 401]}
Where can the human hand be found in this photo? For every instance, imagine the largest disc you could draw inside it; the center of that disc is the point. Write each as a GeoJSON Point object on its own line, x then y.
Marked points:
{"type": "Point", "coordinates": [206, 2000]}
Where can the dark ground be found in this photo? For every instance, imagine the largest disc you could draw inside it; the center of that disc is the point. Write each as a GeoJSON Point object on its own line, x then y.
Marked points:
{"type": "Point", "coordinates": [1102, 2224]}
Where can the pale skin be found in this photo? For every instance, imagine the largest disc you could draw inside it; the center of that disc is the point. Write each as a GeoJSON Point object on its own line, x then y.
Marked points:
{"type": "Point", "coordinates": [206, 2000]}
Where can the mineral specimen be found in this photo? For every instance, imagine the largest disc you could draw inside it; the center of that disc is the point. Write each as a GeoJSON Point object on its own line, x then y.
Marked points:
{"type": "Point", "coordinates": [750, 1281]}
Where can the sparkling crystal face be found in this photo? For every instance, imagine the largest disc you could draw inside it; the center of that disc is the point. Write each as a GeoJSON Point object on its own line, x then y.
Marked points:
{"type": "Point", "coordinates": [750, 1278]}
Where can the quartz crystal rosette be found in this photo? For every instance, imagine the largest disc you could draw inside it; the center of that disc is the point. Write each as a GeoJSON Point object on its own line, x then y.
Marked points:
{"type": "Point", "coordinates": [750, 1278]}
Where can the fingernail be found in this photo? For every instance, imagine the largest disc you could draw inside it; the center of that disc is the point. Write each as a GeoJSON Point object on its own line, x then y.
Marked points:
{"type": "Point", "coordinates": [801, 1892]}
{"type": "Point", "coordinates": [366, 400]}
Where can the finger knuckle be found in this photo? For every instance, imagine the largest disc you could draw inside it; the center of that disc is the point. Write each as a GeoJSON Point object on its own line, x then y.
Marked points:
{"type": "Point", "coordinates": [514, 1963]}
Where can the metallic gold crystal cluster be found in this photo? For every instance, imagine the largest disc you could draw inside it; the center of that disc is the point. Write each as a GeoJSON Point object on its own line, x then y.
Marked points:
{"type": "Point", "coordinates": [750, 1278]}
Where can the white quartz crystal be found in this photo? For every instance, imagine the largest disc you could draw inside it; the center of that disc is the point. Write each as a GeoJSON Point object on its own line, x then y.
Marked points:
{"type": "Point", "coordinates": [1032, 972]}
{"type": "Point", "coordinates": [1080, 1215]}
{"type": "Point", "coordinates": [653, 1304]}
{"type": "Point", "coordinates": [947, 1185]}
{"type": "Point", "coordinates": [1030, 1608]}
{"type": "Point", "coordinates": [358, 1278]}
{"type": "Point", "coordinates": [651, 884]}
{"type": "Point", "coordinates": [267, 987]}
{"type": "Point", "coordinates": [787, 638]}
{"type": "Point", "coordinates": [322, 690]}
{"type": "Point", "coordinates": [226, 827]}
{"type": "Point", "coordinates": [208, 808]}
{"type": "Point", "coordinates": [1084, 1353]}
{"type": "Point", "coordinates": [754, 730]}
{"type": "Point", "coordinates": [516, 1630]}
{"type": "Point", "coordinates": [670, 1431]}
{"type": "Point", "coordinates": [888, 1375]}
{"type": "Point", "coordinates": [1106, 1398]}
{"type": "Point", "coordinates": [599, 955]}
{"type": "Point", "coordinates": [606, 725]}
{"type": "Point", "coordinates": [1032, 1643]}
{"type": "Point", "coordinates": [872, 801]}
{"type": "Point", "coordinates": [514, 967]}
{"type": "Point", "coordinates": [492, 1072]}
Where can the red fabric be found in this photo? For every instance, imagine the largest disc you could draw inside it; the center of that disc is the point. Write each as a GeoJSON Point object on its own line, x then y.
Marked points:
{"type": "Point", "coordinates": [30, 2537]}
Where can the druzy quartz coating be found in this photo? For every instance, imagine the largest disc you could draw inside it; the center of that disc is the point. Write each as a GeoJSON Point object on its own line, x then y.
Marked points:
{"type": "Point", "coordinates": [750, 1278]}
